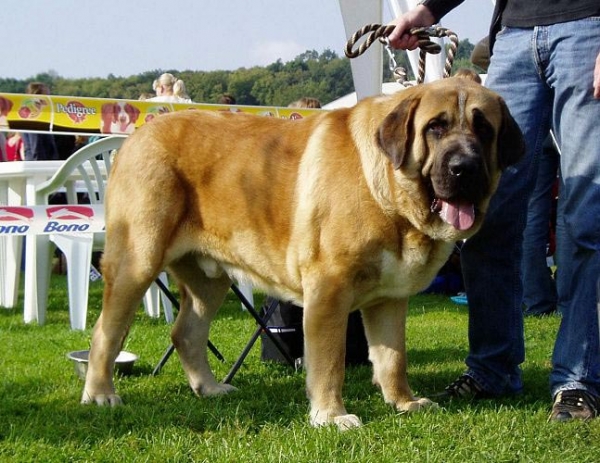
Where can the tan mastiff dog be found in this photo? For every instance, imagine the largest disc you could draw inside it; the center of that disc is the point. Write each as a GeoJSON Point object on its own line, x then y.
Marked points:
{"type": "Point", "coordinates": [353, 209]}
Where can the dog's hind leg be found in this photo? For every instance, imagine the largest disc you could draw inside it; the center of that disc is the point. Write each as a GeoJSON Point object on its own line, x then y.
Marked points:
{"type": "Point", "coordinates": [201, 298]}
{"type": "Point", "coordinates": [385, 330]}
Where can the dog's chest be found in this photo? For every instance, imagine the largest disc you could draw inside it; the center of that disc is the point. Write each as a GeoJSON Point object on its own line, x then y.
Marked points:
{"type": "Point", "coordinates": [404, 274]}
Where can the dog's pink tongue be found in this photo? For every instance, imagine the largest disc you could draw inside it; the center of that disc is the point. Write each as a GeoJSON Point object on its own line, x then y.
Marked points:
{"type": "Point", "coordinates": [461, 215]}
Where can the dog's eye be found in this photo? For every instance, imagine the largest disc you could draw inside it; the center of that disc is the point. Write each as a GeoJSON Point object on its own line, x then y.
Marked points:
{"type": "Point", "coordinates": [482, 127]}
{"type": "Point", "coordinates": [437, 127]}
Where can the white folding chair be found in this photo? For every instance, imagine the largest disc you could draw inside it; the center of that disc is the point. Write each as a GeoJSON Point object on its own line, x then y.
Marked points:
{"type": "Point", "coordinates": [87, 170]}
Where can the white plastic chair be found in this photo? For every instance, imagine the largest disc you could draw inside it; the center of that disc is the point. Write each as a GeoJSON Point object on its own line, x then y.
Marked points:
{"type": "Point", "coordinates": [87, 169]}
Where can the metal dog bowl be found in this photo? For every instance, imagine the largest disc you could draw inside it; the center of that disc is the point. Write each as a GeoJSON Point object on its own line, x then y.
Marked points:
{"type": "Point", "coordinates": [123, 363]}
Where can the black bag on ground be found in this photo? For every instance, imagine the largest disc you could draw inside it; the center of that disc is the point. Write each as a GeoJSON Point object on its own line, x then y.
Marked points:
{"type": "Point", "coordinates": [286, 325]}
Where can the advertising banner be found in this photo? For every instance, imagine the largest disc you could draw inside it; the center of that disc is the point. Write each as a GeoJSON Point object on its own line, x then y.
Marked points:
{"type": "Point", "coordinates": [56, 219]}
{"type": "Point", "coordinates": [96, 116]}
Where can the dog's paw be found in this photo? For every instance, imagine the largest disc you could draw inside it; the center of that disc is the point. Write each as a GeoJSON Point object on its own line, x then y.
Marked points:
{"type": "Point", "coordinates": [103, 400]}
{"type": "Point", "coordinates": [209, 390]}
{"type": "Point", "coordinates": [343, 422]}
{"type": "Point", "coordinates": [418, 404]}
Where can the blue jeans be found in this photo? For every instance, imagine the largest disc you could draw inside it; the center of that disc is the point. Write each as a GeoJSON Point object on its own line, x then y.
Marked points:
{"type": "Point", "coordinates": [545, 75]}
{"type": "Point", "coordinates": [539, 288]}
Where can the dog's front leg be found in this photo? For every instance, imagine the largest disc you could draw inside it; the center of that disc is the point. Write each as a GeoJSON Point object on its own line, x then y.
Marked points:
{"type": "Point", "coordinates": [325, 322]}
{"type": "Point", "coordinates": [385, 328]}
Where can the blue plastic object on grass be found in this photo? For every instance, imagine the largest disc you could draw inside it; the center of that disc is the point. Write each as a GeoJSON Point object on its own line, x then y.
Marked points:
{"type": "Point", "coordinates": [460, 298]}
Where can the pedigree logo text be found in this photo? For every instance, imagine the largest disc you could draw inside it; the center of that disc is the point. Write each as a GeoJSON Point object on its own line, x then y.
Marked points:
{"type": "Point", "coordinates": [76, 110]}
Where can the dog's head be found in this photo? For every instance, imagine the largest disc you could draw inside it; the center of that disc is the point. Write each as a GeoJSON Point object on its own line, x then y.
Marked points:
{"type": "Point", "coordinates": [455, 137]}
{"type": "Point", "coordinates": [116, 117]}
{"type": "Point", "coordinates": [126, 113]}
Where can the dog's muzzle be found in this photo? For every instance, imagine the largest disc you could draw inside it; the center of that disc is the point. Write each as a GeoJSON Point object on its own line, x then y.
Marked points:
{"type": "Point", "coordinates": [459, 183]}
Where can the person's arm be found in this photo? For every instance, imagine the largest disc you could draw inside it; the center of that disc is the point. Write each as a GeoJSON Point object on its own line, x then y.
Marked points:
{"type": "Point", "coordinates": [3, 148]}
{"type": "Point", "coordinates": [597, 78]}
{"type": "Point", "coordinates": [440, 8]}
{"type": "Point", "coordinates": [21, 149]}
{"type": "Point", "coordinates": [425, 14]}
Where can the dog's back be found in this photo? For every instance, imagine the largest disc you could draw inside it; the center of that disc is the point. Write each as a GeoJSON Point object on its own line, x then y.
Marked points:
{"type": "Point", "coordinates": [219, 181]}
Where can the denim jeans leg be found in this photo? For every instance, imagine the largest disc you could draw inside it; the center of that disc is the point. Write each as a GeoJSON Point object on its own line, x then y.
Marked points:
{"type": "Point", "coordinates": [491, 259]}
{"type": "Point", "coordinates": [539, 288]}
{"type": "Point", "coordinates": [561, 254]}
{"type": "Point", "coordinates": [574, 47]}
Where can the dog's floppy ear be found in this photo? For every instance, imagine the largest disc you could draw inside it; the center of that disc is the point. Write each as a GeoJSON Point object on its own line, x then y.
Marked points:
{"type": "Point", "coordinates": [133, 111]}
{"type": "Point", "coordinates": [511, 145]}
{"type": "Point", "coordinates": [5, 105]}
{"type": "Point", "coordinates": [115, 112]}
{"type": "Point", "coordinates": [108, 111]}
{"type": "Point", "coordinates": [396, 133]}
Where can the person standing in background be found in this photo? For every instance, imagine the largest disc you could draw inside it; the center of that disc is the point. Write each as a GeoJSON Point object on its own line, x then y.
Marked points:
{"type": "Point", "coordinates": [169, 89]}
{"type": "Point", "coordinates": [306, 102]}
{"type": "Point", "coordinates": [15, 150]}
{"type": "Point", "coordinates": [539, 236]}
{"type": "Point", "coordinates": [39, 146]}
{"type": "Point", "coordinates": [545, 63]}
{"type": "Point", "coordinates": [3, 156]}
{"type": "Point", "coordinates": [226, 98]}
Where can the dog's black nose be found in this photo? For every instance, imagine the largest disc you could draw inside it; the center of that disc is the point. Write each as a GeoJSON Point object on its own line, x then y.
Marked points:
{"type": "Point", "coordinates": [462, 166]}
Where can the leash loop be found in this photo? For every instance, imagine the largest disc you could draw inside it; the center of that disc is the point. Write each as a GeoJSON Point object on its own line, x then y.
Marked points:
{"type": "Point", "coordinates": [425, 44]}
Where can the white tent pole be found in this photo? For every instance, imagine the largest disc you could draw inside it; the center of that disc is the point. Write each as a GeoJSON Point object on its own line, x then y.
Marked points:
{"type": "Point", "coordinates": [367, 69]}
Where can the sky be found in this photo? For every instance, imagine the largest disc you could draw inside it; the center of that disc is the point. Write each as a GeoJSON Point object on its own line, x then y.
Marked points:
{"type": "Point", "coordinates": [85, 38]}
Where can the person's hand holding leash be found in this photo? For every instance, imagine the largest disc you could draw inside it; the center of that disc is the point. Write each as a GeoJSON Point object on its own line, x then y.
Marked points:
{"type": "Point", "coordinates": [401, 37]}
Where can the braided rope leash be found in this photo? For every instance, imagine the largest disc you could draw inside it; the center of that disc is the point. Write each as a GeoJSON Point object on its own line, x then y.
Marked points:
{"type": "Point", "coordinates": [425, 44]}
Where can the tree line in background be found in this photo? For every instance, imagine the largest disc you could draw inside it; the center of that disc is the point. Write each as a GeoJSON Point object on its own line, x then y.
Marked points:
{"type": "Point", "coordinates": [325, 76]}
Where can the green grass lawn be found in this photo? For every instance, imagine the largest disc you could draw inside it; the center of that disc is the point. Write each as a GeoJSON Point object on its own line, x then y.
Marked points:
{"type": "Point", "coordinates": [266, 420]}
